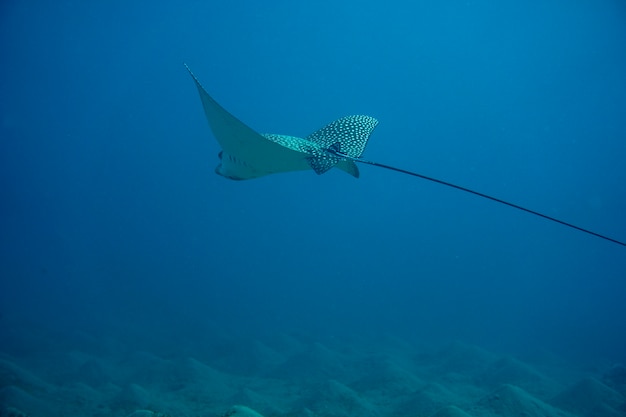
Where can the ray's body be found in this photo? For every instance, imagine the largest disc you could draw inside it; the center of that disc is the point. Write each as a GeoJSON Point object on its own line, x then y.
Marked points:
{"type": "Point", "coordinates": [247, 154]}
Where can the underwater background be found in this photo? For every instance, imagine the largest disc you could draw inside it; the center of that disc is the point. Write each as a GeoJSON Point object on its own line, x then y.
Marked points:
{"type": "Point", "coordinates": [113, 223]}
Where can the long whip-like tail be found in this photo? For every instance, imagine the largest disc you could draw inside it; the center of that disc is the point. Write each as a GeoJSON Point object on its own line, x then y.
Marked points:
{"type": "Point", "coordinates": [467, 190]}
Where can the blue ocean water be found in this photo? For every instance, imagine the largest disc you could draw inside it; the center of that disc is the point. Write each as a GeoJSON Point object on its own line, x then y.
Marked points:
{"type": "Point", "coordinates": [114, 223]}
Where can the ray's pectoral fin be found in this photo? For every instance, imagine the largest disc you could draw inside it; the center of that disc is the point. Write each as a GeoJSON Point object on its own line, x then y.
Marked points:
{"type": "Point", "coordinates": [246, 153]}
{"type": "Point", "coordinates": [321, 161]}
{"type": "Point", "coordinates": [348, 136]}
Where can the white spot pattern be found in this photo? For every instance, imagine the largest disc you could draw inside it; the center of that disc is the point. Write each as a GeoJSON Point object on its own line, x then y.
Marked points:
{"type": "Point", "coordinates": [351, 132]}
{"type": "Point", "coordinates": [348, 135]}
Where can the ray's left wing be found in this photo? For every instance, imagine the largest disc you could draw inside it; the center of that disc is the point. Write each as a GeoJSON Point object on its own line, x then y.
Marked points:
{"type": "Point", "coordinates": [239, 140]}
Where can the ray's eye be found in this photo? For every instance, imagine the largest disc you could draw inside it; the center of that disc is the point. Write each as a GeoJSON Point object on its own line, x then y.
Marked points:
{"type": "Point", "coordinates": [219, 155]}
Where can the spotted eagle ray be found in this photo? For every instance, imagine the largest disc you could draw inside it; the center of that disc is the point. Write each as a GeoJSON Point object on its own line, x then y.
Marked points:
{"type": "Point", "coordinates": [247, 154]}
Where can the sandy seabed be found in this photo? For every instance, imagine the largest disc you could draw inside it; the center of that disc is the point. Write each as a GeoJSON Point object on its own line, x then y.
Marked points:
{"type": "Point", "coordinates": [288, 376]}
